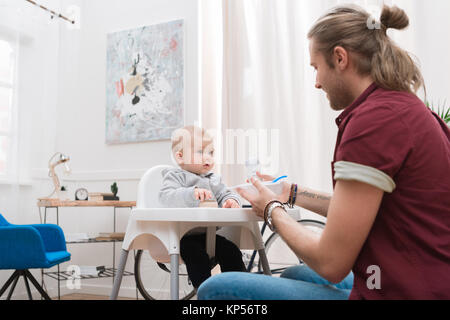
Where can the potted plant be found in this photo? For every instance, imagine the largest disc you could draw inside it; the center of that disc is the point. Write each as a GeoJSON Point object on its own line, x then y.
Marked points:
{"type": "Point", "coordinates": [114, 190]}
{"type": "Point", "coordinates": [63, 193]}
{"type": "Point", "coordinates": [441, 110]}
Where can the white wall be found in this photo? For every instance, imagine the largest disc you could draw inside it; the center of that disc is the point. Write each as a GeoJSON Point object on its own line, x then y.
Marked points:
{"type": "Point", "coordinates": [81, 118]}
{"type": "Point", "coordinates": [66, 113]}
{"type": "Point", "coordinates": [62, 108]}
{"type": "Point", "coordinates": [81, 110]}
{"type": "Point", "coordinates": [433, 48]}
{"type": "Point", "coordinates": [427, 39]}
{"type": "Point", "coordinates": [37, 54]}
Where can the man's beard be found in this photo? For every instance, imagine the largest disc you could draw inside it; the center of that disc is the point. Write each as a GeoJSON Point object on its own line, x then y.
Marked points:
{"type": "Point", "coordinates": [339, 95]}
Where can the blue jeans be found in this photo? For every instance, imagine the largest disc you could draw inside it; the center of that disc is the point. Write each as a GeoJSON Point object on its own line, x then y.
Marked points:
{"type": "Point", "coordinates": [296, 283]}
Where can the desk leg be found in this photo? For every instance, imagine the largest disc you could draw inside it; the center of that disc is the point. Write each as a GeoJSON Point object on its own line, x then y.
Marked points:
{"type": "Point", "coordinates": [174, 280]}
{"type": "Point", "coordinates": [118, 279]}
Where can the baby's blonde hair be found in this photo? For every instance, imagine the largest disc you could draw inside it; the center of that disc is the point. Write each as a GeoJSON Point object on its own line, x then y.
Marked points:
{"type": "Point", "coordinates": [185, 138]}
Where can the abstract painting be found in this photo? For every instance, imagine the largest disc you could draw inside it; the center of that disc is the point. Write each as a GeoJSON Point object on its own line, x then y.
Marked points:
{"type": "Point", "coordinates": [145, 83]}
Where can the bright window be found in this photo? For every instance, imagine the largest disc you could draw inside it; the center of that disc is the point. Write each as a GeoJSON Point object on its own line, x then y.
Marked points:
{"type": "Point", "coordinates": [6, 99]}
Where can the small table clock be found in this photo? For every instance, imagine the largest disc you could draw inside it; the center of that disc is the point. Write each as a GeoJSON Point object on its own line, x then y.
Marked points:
{"type": "Point", "coordinates": [81, 194]}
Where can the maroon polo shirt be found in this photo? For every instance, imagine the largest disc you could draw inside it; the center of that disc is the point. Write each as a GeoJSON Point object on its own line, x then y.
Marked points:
{"type": "Point", "coordinates": [397, 134]}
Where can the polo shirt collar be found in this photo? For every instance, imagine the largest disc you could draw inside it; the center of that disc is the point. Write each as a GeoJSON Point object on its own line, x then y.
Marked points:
{"type": "Point", "coordinates": [356, 103]}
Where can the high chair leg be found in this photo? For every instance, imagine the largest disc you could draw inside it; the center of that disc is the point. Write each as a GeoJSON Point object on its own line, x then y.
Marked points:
{"type": "Point", "coordinates": [118, 279]}
{"type": "Point", "coordinates": [174, 277]}
{"type": "Point", "coordinates": [265, 262]}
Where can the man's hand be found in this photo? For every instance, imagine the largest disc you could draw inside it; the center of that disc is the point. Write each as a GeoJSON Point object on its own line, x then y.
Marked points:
{"type": "Point", "coordinates": [202, 194]}
{"type": "Point", "coordinates": [231, 203]}
{"type": "Point", "coordinates": [259, 200]}
{"type": "Point", "coordinates": [284, 196]}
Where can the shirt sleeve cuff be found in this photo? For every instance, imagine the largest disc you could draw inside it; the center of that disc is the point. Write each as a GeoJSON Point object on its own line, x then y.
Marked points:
{"type": "Point", "coordinates": [352, 171]}
{"type": "Point", "coordinates": [189, 197]}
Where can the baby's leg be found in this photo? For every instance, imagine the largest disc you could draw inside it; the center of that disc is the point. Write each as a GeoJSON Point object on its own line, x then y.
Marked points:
{"type": "Point", "coordinates": [228, 255]}
{"type": "Point", "coordinates": [193, 252]}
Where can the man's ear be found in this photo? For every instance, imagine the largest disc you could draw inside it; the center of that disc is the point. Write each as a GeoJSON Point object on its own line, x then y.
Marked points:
{"type": "Point", "coordinates": [340, 57]}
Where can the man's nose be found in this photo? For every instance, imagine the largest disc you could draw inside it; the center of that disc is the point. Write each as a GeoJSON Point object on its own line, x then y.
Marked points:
{"type": "Point", "coordinates": [318, 86]}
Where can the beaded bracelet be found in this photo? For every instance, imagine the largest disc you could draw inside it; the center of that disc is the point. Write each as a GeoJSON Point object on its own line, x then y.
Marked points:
{"type": "Point", "coordinates": [292, 196]}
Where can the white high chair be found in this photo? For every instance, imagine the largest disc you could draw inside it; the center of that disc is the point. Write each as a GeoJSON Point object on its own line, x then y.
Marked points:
{"type": "Point", "coordinates": [159, 230]}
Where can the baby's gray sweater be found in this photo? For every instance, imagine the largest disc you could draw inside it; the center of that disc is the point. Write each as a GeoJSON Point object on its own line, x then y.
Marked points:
{"type": "Point", "coordinates": [178, 188]}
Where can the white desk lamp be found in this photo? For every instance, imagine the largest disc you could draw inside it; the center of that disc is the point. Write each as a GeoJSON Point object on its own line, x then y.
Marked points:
{"type": "Point", "coordinates": [60, 158]}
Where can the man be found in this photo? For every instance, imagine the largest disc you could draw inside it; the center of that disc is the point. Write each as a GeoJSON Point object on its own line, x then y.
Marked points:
{"type": "Point", "coordinates": [388, 219]}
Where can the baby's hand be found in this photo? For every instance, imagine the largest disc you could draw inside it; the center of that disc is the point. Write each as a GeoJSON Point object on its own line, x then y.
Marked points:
{"type": "Point", "coordinates": [202, 194]}
{"type": "Point", "coordinates": [231, 203]}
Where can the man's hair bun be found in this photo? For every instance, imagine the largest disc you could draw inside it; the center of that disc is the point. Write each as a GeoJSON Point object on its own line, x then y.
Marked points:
{"type": "Point", "coordinates": [394, 17]}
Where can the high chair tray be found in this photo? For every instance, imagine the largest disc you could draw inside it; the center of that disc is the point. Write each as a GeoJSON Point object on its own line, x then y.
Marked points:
{"type": "Point", "coordinates": [201, 214]}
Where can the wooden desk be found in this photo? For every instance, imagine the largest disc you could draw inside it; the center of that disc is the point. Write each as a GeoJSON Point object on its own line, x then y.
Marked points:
{"type": "Point", "coordinates": [57, 203]}
{"type": "Point", "coordinates": [52, 203]}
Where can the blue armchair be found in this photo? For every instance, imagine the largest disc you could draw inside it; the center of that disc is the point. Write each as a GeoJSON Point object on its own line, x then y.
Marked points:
{"type": "Point", "coordinates": [24, 247]}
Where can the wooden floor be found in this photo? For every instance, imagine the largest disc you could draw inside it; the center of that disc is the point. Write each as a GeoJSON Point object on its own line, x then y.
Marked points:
{"type": "Point", "coordinates": [83, 296]}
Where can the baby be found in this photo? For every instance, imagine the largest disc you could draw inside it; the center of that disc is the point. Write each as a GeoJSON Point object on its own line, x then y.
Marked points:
{"type": "Point", "coordinates": [189, 186]}
{"type": "Point", "coordinates": [193, 182]}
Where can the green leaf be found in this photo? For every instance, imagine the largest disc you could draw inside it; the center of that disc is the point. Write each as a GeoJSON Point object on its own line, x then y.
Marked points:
{"type": "Point", "coordinates": [441, 110]}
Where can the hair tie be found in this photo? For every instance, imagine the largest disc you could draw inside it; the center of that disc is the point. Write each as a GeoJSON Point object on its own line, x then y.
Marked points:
{"type": "Point", "coordinates": [374, 24]}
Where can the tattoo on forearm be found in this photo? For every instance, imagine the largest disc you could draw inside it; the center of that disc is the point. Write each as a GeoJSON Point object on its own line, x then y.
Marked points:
{"type": "Point", "coordinates": [313, 195]}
